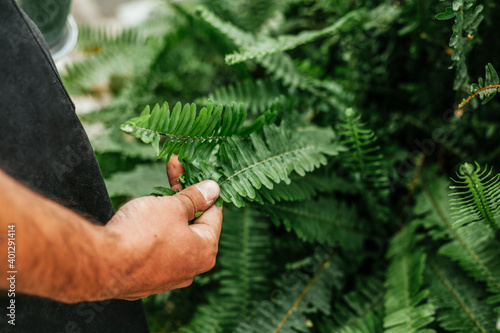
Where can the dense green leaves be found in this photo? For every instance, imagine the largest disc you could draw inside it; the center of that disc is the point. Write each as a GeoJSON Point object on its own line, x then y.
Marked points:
{"type": "Point", "coordinates": [308, 173]}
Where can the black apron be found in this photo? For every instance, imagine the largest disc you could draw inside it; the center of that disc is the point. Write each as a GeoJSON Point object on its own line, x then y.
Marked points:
{"type": "Point", "coordinates": [43, 145]}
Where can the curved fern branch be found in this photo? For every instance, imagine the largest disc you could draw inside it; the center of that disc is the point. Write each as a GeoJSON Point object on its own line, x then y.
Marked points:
{"type": "Point", "coordinates": [486, 89]}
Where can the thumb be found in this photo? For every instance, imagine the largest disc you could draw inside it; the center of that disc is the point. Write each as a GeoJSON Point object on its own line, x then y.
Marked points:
{"type": "Point", "coordinates": [198, 197]}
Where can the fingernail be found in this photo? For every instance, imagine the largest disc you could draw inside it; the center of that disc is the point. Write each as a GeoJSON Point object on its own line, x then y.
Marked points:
{"type": "Point", "coordinates": [209, 189]}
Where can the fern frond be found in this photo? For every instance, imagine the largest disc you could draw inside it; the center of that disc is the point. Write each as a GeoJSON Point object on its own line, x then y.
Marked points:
{"type": "Point", "coordinates": [323, 220]}
{"type": "Point", "coordinates": [258, 95]}
{"type": "Point", "coordinates": [188, 133]}
{"type": "Point", "coordinates": [243, 258]}
{"type": "Point", "coordinates": [467, 19]}
{"type": "Point", "coordinates": [462, 300]}
{"type": "Point", "coordinates": [360, 311]}
{"type": "Point", "coordinates": [300, 294]}
{"type": "Point", "coordinates": [486, 89]}
{"type": "Point", "coordinates": [264, 161]}
{"type": "Point", "coordinates": [208, 318]}
{"type": "Point", "coordinates": [269, 45]}
{"type": "Point", "coordinates": [279, 65]}
{"type": "Point", "coordinates": [363, 155]}
{"type": "Point", "coordinates": [473, 246]}
{"type": "Point", "coordinates": [406, 306]}
{"type": "Point", "coordinates": [109, 53]}
{"type": "Point", "coordinates": [477, 196]}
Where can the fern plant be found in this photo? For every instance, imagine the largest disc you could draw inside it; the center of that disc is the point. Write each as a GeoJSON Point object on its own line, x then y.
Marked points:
{"type": "Point", "coordinates": [313, 239]}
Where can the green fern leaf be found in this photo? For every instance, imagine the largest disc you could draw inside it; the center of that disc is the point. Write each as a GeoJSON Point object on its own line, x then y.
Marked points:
{"type": "Point", "coordinates": [279, 65]}
{"type": "Point", "coordinates": [300, 295]}
{"type": "Point", "coordinates": [190, 134]}
{"type": "Point", "coordinates": [473, 246]}
{"type": "Point", "coordinates": [406, 306]}
{"type": "Point", "coordinates": [323, 221]}
{"type": "Point", "coordinates": [462, 300]}
{"type": "Point", "coordinates": [246, 167]}
{"type": "Point", "coordinates": [477, 196]}
{"type": "Point", "coordinates": [363, 155]}
{"type": "Point", "coordinates": [258, 95]}
{"type": "Point", "coordinates": [360, 311]}
{"type": "Point", "coordinates": [243, 260]}
{"type": "Point", "coordinates": [269, 45]}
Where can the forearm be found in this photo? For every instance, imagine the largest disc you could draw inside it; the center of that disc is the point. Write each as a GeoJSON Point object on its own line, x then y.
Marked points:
{"type": "Point", "coordinates": [58, 254]}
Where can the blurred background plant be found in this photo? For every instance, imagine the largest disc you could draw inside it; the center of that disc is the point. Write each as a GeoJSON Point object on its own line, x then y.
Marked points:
{"type": "Point", "coordinates": [371, 232]}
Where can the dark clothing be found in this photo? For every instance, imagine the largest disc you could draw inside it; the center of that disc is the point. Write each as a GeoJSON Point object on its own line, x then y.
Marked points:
{"type": "Point", "coordinates": [43, 145]}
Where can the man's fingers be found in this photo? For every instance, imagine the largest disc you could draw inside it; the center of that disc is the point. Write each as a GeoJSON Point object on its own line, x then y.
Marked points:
{"type": "Point", "coordinates": [198, 197]}
{"type": "Point", "coordinates": [174, 170]}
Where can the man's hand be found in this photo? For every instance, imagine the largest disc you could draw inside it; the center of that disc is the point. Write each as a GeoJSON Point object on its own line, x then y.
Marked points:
{"type": "Point", "coordinates": [163, 251]}
{"type": "Point", "coordinates": [147, 247]}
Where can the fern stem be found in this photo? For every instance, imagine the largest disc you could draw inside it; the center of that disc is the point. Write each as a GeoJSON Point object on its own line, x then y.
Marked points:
{"type": "Point", "coordinates": [303, 293]}
{"type": "Point", "coordinates": [448, 224]}
{"type": "Point", "coordinates": [449, 287]}
{"type": "Point", "coordinates": [477, 93]}
{"type": "Point", "coordinates": [181, 137]}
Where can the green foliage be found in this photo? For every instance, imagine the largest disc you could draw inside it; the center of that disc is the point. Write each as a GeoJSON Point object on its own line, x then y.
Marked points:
{"type": "Point", "coordinates": [467, 19]}
{"type": "Point", "coordinates": [300, 295]}
{"type": "Point", "coordinates": [283, 43]}
{"type": "Point", "coordinates": [406, 309]}
{"type": "Point", "coordinates": [462, 299]}
{"type": "Point", "coordinates": [300, 171]}
{"type": "Point", "coordinates": [361, 311]}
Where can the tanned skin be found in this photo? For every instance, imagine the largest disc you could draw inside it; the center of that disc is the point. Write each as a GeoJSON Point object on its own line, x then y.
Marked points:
{"type": "Point", "coordinates": [146, 248]}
